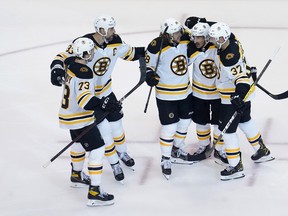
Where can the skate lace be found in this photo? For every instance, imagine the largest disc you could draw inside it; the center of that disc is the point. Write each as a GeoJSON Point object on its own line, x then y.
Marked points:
{"type": "Point", "coordinates": [124, 156]}
{"type": "Point", "coordinates": [84, 176]}
{"type": "Point", "coordinates": [222, 154]}
{"type": "Point", "coordinates": [117, 169]}
{"type": "Point", "coordinates": [229, 168]}
{"type": "Point", "coordinates": [102, 192]}
{"type": "Point", "coordinates": [166, 164]}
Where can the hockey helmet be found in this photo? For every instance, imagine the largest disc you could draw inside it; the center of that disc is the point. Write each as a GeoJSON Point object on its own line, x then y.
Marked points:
{"type": "Point", "coordinates": [105, 22]}
{"type": "Point", "coordinates": [219, 30]}
{"type": "Point", "coordinates": [82, 47]}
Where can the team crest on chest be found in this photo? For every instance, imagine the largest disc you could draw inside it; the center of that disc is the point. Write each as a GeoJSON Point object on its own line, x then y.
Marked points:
{"type": "Point", "coordinates": [208, 68]}
{"type": "Point", "coordinates": [101, 66]}
{"type": "Point", "coordinates": [179, 65]}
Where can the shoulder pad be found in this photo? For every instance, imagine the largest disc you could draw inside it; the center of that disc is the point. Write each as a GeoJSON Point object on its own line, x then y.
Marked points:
{"type": "Point", "coordinates": [231, 55]}
{"type": "Point", "coordinates": [116, 40]}
{"type": "Point", "coordinates": [154, 46]}
{"type": "Point", "coordinates": [90, 36]}
{"type": "Point", "coordinates": [79, 70]}
{"type": "Point", "coordinates": [192, 49]}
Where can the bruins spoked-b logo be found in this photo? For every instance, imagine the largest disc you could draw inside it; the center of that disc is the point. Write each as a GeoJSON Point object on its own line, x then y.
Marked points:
{"type": "Point", "coordinates": [179, 65]}
{"type": "Point", "coordinates": [208, 68]}
{"type": "Point", "coordinates": [101, 66]}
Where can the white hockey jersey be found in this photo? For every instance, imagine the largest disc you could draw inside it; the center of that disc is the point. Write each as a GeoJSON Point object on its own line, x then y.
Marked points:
{"type": "Point", "coordinates": [77, 92]}
{"type": "Point", "coordinates": [103, 62]}
{"type": "Point", "coordinates": [204, 72]}
{"type": "Point", "coordinates": [232, 70]}
{"type": "Point", "coordinates": [174, 83]}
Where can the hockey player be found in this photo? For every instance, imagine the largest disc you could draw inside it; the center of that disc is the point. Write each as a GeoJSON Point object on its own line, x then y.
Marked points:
{"type": "Point", "coordinates": [78, 110]}
{"type": "Point", "coordinates": [234, 86]}
{"type": "Point", "coordinates": [173, 90]}
{"type": "Point", "coordinates": [206, 99]}
{"type": "Point", "coordinates": [108, 48]}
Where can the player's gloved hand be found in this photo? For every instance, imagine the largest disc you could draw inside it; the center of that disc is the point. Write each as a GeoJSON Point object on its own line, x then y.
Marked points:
{"type": "Point", "coordinates": [237, 103]}
{"type": "Point", "coordinates": [139, 52]}
{"type": "Point", "coordinates": [191, 21]}
{"type": "Point", "coordinates": [109, 104]}
{"type": "Point", "coordinates": [152, 79]}
{"type": "Point", "coordinates": [57, 75]}
{"type": "Point", "coordinates": [253, 72]}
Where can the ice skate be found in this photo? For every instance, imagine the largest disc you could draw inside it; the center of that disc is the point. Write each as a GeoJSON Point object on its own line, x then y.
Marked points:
{"type": "Point", "coordinates": [220, 158]}
{"type": "Point", "coordinates": [166, 167]}
{"type": "Point", "coordinates": [201, 153]}
{"type": "Point", "coordinates": [97, 197]}
{"type": "Point", "coordinates": [79, 179]}
{"type": "Point", "coordinates": [262, 154]}
{"type": "Point", "coordinates": [118, 172]}
{"type": "Point", "coordinates": [126, 159]}
{"type": "Point", "coordinates": [178, 156]}
{"type": "Point", "coordinates": [233, 172]}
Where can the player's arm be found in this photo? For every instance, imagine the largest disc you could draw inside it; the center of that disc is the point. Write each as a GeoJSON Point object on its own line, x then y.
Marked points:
{"type": "Point", "coordinates": [58, 67]}
{"type": "Point", "coordinates": [191, 21]}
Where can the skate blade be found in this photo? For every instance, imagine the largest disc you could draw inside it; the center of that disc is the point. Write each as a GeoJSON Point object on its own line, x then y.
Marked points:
{"type": "Point", "coordinates": [95, 203]}
{"type": "Point", "coordinates": [234, 176]}
{"type": "Point", "coordinates": [182, 162]}
{"type": "Point", "coordinates": [121, 182]}
{"type": "Point", "coordinates": [78, 185]}
{"type": "Point", "coordinates": [131, 168]}
{"type": "Point", "coordinates": [265, 159]}
{"type": "Point", "coordinates": [166, 176]}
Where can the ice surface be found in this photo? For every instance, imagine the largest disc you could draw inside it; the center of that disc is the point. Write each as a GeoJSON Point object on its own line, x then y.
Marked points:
{"type": "Point", "coordinates": [32, 32]}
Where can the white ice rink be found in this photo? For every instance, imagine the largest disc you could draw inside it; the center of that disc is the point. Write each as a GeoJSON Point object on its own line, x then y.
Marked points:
{"type": "Point", "coordinates": [32, 32]}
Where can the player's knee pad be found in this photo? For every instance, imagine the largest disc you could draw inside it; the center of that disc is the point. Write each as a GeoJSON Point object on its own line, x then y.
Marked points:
{"type": "Point", "coordinates": [249, 128]}
{"type": "Point", "coordinates": [183, 124]}
{"type": "Point", "coordinates": [96, 155]}
{"type": "Point", "coordinates": [168, 131]}
{"type": "Point", "coordinates": [106, 132]}
{"type": "Point", "coordinates": [117, 128]}
{"type": "Point", "coordinates": [231, 141]}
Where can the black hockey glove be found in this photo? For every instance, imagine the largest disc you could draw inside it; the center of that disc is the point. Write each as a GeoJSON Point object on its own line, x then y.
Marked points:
{"type": "Point", "coordinates": [253, 72]}
{"type": "Point", "coordinates": [139, 52]}
{"type": "Point", "coordinates": [110, 104]}
{"type": "Point", "coordinates": [237, 103]}
{"type": "Point", "coordinates": [152, 79]}
{"type": "Point", "coordinates": [191, 21]}
{"type": "Point", "coordinates": [57, 75]}
{"type": "Point", "coordinates": [237, 99]}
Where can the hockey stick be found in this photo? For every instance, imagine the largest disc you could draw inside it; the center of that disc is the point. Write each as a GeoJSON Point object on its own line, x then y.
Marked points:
{"type": "Point", "coordinates": [274, 96]}
{"type": "Point", "coordinates": [142, 67]}
{"type": "Point", "coordinates": [252, 88]}
{"type": "Point", "coordinates": [157, 63]}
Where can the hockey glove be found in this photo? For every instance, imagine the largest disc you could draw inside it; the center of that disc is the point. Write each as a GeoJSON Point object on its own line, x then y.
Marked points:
{"type": "Point", "coordinates": [57, 75]}
{"type": "Point", "coordinates": [191, 21]}
{"type": "Point", "coordinates": [237, 103]}
{"type": "Point", "coordinates": [110, 104]}
{"type": "Point", "coordinates": [152, 79]}
{"type": "Point", "coordinates": [237, 99]}
{"type": "Point", "coordinates": [253, 72]}
{"type": "Point", "coordinates": [139, 52]}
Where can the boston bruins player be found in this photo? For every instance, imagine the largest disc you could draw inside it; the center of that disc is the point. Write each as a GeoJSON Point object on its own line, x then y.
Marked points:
{"type": "Point", "coordinates": [206, 99]}
{"type": "Point", "coordinates": [108, 48]}
{"type": "Point", "coordinates": [78, 108]}
{"type": "Point", "coordinates": [173, 90]}
{"type": "Point", "coordinates": [234, 85]}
